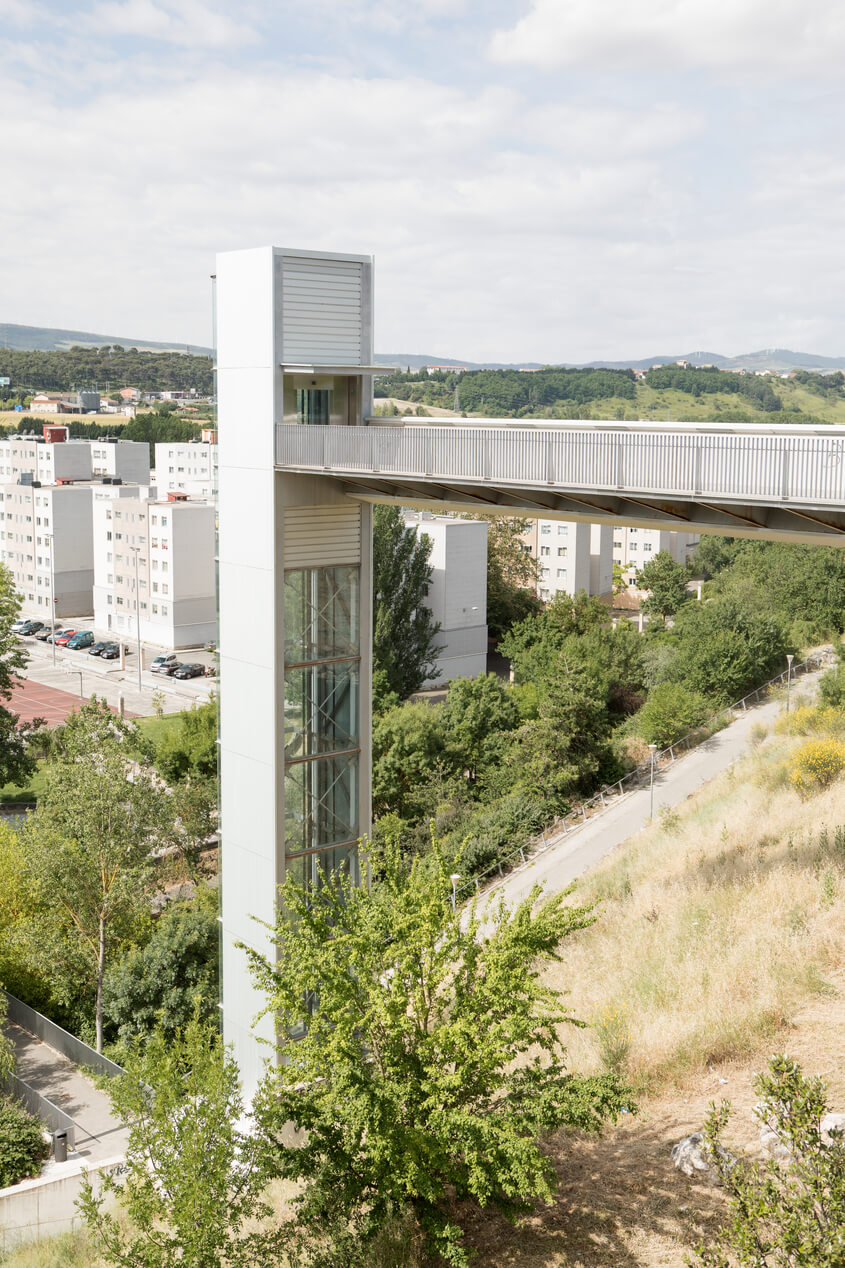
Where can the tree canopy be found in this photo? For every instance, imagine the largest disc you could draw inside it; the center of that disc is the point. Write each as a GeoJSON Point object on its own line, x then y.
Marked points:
{"type": "Point", "coordinates": [433, 1068]}
{"type": "Point", "coordinates": [16, 758]}
{"type": "Point", "coordinates": [404, 629]}
{"type": "Point", "coordinates": [666, 582]}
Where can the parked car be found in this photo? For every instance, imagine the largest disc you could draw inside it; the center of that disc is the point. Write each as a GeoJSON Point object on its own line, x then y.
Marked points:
{"type": "Point", "coordinates": [60, 633]}
{"type": "Point", "coordinates": [111, 651]}
{"type": "Point", "coordinates": [192, 670]}
{"type": "Point", "coordinates": [84, 638]}
{"type": "Point", "coordinates": [97, 648]}
{"type": "Point", "coordinates": [17, 627]}
{"type": "Point", "coordinates": [63, 637]}
{"type": "Point", "coordinates": [28, 628]}
{"type": "Point", "coordinates": [43, 634]}
{"type": "Point", "coordinates": [164, 664]}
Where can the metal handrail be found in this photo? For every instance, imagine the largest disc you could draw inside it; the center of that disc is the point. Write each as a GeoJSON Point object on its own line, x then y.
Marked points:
{"type": "Point", "coordinates": [608, 796]}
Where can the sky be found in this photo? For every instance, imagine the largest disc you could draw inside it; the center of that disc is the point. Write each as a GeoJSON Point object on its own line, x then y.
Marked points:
{"type": "Point", "coordinates": [538, 180]}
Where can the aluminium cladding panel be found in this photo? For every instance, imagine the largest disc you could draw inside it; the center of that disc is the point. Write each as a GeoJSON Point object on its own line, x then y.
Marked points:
{"type": "Point", "coordinates": [322, 536]}
{"type": "Point", "coordinates": [326, 310]}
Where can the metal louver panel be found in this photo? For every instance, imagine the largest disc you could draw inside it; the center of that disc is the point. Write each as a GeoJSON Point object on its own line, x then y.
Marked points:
{"type": "Point", "coordinates": [321, 310]}
{"type": "Point", "coordinates": [322, 536]}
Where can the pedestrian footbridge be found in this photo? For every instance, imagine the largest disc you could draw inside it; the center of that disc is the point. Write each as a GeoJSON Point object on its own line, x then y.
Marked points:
{"type": "Point", "coordinates": [741, 480]}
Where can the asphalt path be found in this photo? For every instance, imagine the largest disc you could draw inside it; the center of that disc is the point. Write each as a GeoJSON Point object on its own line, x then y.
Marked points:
{"type": "Point", "coordinates": [584, 847]}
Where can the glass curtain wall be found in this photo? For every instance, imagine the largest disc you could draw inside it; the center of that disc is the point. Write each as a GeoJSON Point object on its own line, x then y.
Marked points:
{"type": "Point", "coordinates": [321, 723]}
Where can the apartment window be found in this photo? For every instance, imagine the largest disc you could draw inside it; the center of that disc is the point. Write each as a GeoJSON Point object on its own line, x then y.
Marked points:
{"type": "Point", "coordinates": [561, 572]}
{"type": "Point", "coordinates": [108, 598]}
{"type": "Point", "coordinates": [118, 515]}
{"type": "Point", "coordinates": [155, 564]}
{"type": "Point", "coordinates": [108, 557]}
{"type": "Point", "coordinates": [617, 545]}
{"type": "Point", "coordinates": [545, 550]}
{"type": "Point", "coordinates": [163, 610]}
{"type": "Point", "coordinates": [154, 522]}
{"type": "Point", "coordinates": [562, 530]}
{"type": "Point", "coordinates": [155, 587]}
{"type": "Point", "coordinates": [155, 609]}
{"type": "Point", "coordinates": [108, 537]}
{"type": "Point", "coordinates": [164, 590]}
{"type": "Point", "coordinates": [545, 529]}
{"type": "Point", "coordinates": [164, 565]}
{"type": "Point", "coordinates": [164, 543]}
{"type": "Point", "coordinates": [647, 546]}
{"type": "Point", "coordinates": [108, 579]}
{"type": "Point", "coordinates": [119, 580]}
{"type": "Point", "coordinates": [143, 607]}
{"type": "Point", "coordinates": [561, 550]}
{"type": "Point", "coordinates": [108, 515]}
{"type": "Point", "coordinates": [154, 542]}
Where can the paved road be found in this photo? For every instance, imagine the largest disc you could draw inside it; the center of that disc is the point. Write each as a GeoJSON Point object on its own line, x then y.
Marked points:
{"type": "Point", "coordinates": [583, 848]}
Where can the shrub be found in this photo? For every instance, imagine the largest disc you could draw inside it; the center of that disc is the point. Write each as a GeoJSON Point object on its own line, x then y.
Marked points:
{"type": "Point", "coordinates": [832, 687]}
{"type": "Point", "coordinates": [670, 713]}
{"type": "Point", "coordinates": [781, 1215]}
{"type": "Point", "coordinates": [816, 764]}
{"type": "Point", "coordinates": [22, 1144]}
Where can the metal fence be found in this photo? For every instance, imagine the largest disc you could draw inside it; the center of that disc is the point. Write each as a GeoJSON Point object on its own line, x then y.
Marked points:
{"type": "Point", "coordinates": [786, 465]}
{"type": "Point", "coordinates": [38, 1105]}
{"type": "Point", "coordinates": [55, 1037]}
{"type": "Point", "coordinates": [611, 794]}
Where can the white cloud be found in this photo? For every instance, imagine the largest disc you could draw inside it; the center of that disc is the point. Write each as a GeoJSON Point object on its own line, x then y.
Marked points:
{"type": "Point", "coordinates": [185, 22]}
{"type": "Point", "coordinates": [777, 36]}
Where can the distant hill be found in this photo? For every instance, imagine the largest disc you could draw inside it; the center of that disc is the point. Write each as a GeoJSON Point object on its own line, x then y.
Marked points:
{"type": "Point", "coordinates": [47, 339]}
{"type": "Point", "coordinates": [766, 359]}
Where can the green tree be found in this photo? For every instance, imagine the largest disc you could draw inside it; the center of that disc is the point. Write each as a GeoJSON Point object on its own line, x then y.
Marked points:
{"type": "Point", "coordinates": [789, 1214]}
{"type": "Point", "coordinates": [17, 762]}
{"type": "Point", "coordinates": [190, 749]}
{"type": "Point", "coordinates": [714, 553]}
{"type": "Point", "coordinates": [670, 712]}
{"type": "Point", "coordinates": [566, 750]}
{"type": "Point", "coordinates": [431, 1067]}
{"type": "Point", "coordinates": [477, 711]}
{"type": "Point", "coordinates": [727, 646]}
{"type": "Point", "coordinates": [512, 573]}
{"type": "Point", "coordinates": [404, 630]}
{"type": "Point", "coordinates": [410, 746]}
{"type": "Point", "coordinates": [533, 645]}
{"type": "Point", "coordinates": [175, 975]}
{"type": "Point", "coordinates": [666, 582]}
{"type": "Point", "coordinates": [88, 847]}
{"type": "Point", "coordinates": [195, 1179]}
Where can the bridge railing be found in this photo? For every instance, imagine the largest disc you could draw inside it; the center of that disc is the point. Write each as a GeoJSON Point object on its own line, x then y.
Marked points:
{"type": "Point", "coordinates": [792, 465]}
{"type": "Point", "coordinates": [610, 794]}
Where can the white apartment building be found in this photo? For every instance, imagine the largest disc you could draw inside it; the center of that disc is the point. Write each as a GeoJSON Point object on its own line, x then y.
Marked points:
{"type": "Point", "coordinates": [572, 557]}
{"type": "Point", "coordinates": [127, 460]}
{"type": "Point", "coordinates": [52, 457]}
{"type": "Point", "coordinates": [457, 596]}
{"type": "Point", "coordinates": [154, 559]}
{"type": "Point", "coordinates": [634, 547]}
{"type": "Point", "coordinates": [187, 467]}
{"type": "Point", "coordinates": [46, 541]}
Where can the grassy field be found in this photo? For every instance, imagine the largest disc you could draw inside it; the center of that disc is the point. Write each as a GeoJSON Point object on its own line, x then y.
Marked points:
{"type": "Point", "coordinates": [720, 939]}
{"type": "Point", "coordinates": [30, 791]}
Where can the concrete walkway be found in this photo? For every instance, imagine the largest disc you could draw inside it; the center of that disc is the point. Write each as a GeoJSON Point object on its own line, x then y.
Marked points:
{"type": "Point", "coordinates": [582, 848]}
{"type": "Point", "coordinates": [98, 1133]}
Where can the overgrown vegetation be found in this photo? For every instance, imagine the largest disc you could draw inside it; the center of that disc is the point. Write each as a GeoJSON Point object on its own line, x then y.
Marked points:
{"type": "Point", "coordinates": [22, 1144]}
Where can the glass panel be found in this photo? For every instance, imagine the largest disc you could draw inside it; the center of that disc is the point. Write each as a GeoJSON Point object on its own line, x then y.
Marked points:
{"type": "Point", "coordinates": [321, 613]}
{"type": "Point", "coordinates": [314, 870]}
{"type": "Point", "coordinates": [321, 709]}
{"type": "Point", "coordinates": [321, 803]}
{"type": "Point", "coordinates": [314, 406]}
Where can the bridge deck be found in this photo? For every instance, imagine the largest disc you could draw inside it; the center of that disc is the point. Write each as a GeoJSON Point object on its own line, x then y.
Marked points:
{"type": "Point", "coordinates": [787, 482]}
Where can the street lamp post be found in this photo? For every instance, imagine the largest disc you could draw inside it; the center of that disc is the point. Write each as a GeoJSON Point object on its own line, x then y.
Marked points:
{"type": "Point", "coordinates": [454, 878]}
{"type": "Point", "coordinates": [135, 550]}
{"type": "Point", "coordinates": [790, 658]}
{"type": "Point", "coordinates": [652, 748]}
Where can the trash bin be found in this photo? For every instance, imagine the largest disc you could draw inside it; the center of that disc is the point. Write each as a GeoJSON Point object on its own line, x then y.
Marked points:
{"type": "Point", "coordinates": [60, 1145]}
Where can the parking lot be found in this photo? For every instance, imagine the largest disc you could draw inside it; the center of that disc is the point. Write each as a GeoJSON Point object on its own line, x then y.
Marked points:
{"type": "Point", "coordinates": [83, 675]}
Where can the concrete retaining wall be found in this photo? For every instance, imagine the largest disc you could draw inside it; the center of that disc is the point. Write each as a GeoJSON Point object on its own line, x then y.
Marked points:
{"type": "Point", "coordinates": [46, 1206]}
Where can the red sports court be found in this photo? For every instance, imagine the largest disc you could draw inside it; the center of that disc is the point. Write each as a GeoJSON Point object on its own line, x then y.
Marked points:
{"type": "Point", "coordinates": [33, 700]}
